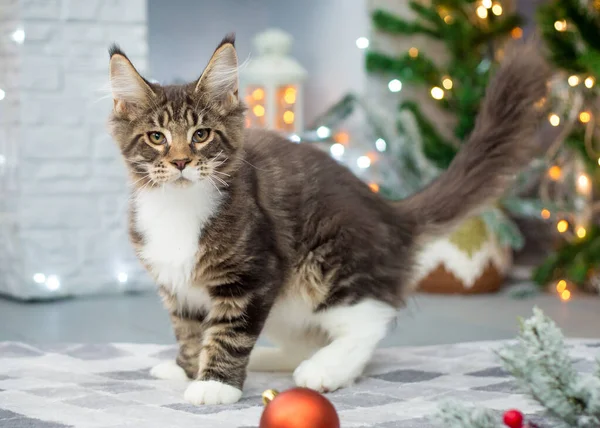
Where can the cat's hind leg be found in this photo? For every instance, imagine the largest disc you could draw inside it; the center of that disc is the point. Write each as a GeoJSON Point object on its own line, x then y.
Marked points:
{"type": "Point", "coordinates": [354, 333]}
{"type": "Point", "coordinates": [264, 359]}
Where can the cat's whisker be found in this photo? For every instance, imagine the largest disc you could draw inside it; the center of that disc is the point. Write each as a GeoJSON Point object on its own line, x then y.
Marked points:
{"type": "Point", "coordinates": [217, 155]}
{"type": "Point", "coordinates": [149, 184]}
{"type": "Point", "coordinates": [222, 173]}
{"type": "Point", "coordinates": [220, 180]}
{"type": "Point", "coordinates": [213, 183]}
{"type": "Point", "coordinates": [221, 162]}
{"type": "Point", "coordinates": [143, 178]}
{"type": "Point", "coordinates": [253, 166]}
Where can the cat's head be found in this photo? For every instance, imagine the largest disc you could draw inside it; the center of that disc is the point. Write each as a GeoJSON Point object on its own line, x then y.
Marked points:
{"type": "Point", "coordinates": [179, 134]}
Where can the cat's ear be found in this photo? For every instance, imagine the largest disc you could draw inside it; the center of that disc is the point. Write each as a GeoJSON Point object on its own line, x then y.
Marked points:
{"type": "Point", "coordinates": [220, 77]}
{"type": "Point", "coordinates": [127, 86]}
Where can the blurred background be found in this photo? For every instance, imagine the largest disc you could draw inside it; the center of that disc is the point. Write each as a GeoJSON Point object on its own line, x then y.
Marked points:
{"type": "Point", "coordinates": [390, 88]}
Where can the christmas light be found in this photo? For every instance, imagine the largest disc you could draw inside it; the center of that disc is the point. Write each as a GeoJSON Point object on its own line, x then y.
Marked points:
{"type": "Point", "coordinates": [258, 110]}
{"type": "Point", "coordinates": [447, 83]}
{"type": "Point", "coordinates": [289, 96]}
{"type": "Point", "coordinates": [540, 103]}
{"type": "Point", "coordinates": [585, 116]}
{"type": "Point", "coordinates": [39, 278]}
{"type": "Point", "coordinates": [52, 283]}
{"type": "Point", "coordinates": [337, 150]}
{"type": "Point", "coordinates": [2, 94]}
{"type": "Point", "coordinates": [482, 12]}
{"type": "Point", "coordinates": [560, 25]}
{"type": "Point", "coordinates": [437, 93]}
{"type": "Point", "coordinates": [598, 161]}
{"type": "Point", "coordinates": [555, 173]}
{"type": "Point", "coordinates": [363, 162]}
{"type": "Point", "coordinates": [258, 94]}
{"type": "Point", "coordinates": [581, 232]}
{"type": "Point", "coordinates": [573, 80]}
{"type": "Point", "coordinates": [395, 85]}
{"type": "Point", "coordinates": [342, 137]}
{"type": "Point", "coordinates": [288, 117]}
{"type": "Point", "coordinates": [18, 36]}
{"type": "Point", "coordinates": [561, 285]}
{"type": "Point", "coordinates": [413, 52]}
{"type": "Point", "coordinates": [323, 132]}
{"type": "Point", "coordinates": [122, 277]}
{"type": "Point", "coordinates": [362, 43]}
{"type": "Point", "coordinates": [589, 82]}
{"type": "Point", "coordinates": [583, 184]}
{"type": "Point", "coordinates": [374, 187]}
{"type": "Point", "coordinates": [497, 9]}
{"type": "Point", "coordinates": [486, 3]}
{"type": "Point", "coordinates": [380, 144]}
{"type": "Point", "coordinates": [448, 19]}
{"type": "Point", "coordinates": [295, 138]}
{"type": "Point", "coordinates": [565, 296]}
{"type": "Point", "coordinates": [554, 119]}
{"type": "Point", "coordinates": [562, 226]}
{"type": "Point", "coordinates": [516, 33]}
{"type": "Point", "coordinates": [545, 214]}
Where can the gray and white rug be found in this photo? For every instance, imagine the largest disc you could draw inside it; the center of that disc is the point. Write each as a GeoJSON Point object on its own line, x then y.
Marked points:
{"type": "Point", "coordinates": [109, 386]}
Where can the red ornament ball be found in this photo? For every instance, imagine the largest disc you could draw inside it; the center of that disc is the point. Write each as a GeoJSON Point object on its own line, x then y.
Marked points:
{"type": "Point", "coordinates": [299, 408]}
{"type": "Point", "coordinates": [513, 418]}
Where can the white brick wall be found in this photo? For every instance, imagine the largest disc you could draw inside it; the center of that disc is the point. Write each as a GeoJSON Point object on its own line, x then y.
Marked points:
{"type": "Point", "coordinates": [63, 194]}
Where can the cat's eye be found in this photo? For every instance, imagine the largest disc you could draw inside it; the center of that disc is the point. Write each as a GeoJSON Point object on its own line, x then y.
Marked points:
{"type": "Point", "coordinates": [156, 137]}
{"type": "Point", "coordinates": [200, 135]}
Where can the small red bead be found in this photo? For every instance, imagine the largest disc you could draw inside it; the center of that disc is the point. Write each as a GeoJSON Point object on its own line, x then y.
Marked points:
{"type": "Point", "coordinates": [513, 418]}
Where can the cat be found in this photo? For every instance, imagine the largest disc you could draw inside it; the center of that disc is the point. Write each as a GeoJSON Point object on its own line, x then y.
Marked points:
{"type": "Point", "coordinates": [246, 232]}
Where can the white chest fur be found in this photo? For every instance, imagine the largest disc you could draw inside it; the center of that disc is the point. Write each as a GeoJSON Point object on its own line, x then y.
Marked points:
{"type": "Point", "coordinates": [171, 221]}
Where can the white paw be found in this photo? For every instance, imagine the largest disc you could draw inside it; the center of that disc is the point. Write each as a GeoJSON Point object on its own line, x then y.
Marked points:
{"type": "Point", "coordinates": [169, 370]}
{"type": "Point", "coordinates": [323, 378]}
{"type": "Point", "coordinates": [211, 392]}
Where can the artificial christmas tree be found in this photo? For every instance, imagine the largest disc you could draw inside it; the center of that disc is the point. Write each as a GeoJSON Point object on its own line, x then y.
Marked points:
{"type": "Point", "coordinates": [571, 32]}
{"type": "Point", "coordinates": [473, 258]}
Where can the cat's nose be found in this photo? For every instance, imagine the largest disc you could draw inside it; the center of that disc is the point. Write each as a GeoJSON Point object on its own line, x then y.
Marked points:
{"type": "Point", "coordinates": [180, 164]}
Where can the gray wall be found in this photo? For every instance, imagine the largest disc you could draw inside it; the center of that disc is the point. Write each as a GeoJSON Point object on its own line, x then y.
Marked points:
{"type": "Point", "coordinates": [184, 33]}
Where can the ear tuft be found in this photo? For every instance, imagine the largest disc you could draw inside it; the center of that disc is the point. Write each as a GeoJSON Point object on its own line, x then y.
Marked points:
{"type": "Point", "coordinates": [220, 78]}
{"type": "Point", "coordinates": [114, 49]}
{"type": "Point", "coordinates": [127, 86]}
{"type": "Point", "coordinates": [228, 39]}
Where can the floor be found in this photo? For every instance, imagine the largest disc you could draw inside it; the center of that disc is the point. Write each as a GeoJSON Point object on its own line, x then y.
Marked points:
{"type": "Point", "coordinates": [428, 319]}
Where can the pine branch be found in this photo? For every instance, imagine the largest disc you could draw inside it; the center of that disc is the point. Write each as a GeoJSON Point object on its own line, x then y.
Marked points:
{"type": "Point", "coordinates": [591, 61]}
{"type": "Point", "coordinates": [527, 208]}
{"type": "Point", "coordinates": [386, 22]}
{"type": "Point", "coordinates": [543, 368]}
{"type": "Point", "coordinates": [586, 26]}
{"type": "Point", "coordinates": [455, 415]}
{"type": "Point", "coordinates": [572, 261]}
{"type": "Point", "coordinates": [427, 13]}
{"type": "Point", "coordinates": [435, 147]}
{"type": "Point", "coordinates": [561, 45]}
{"type": "Point", "coordinates": [503, 228]}
{"type": "Point", "coordinates": [409, 70]}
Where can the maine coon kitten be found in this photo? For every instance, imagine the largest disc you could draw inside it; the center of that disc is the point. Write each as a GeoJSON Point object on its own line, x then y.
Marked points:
{"type": "Point", "coordinates": [246, 232]}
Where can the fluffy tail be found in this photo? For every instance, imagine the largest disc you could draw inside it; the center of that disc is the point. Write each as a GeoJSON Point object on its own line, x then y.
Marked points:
{"type": "Point", "coordinates": [499, 146]}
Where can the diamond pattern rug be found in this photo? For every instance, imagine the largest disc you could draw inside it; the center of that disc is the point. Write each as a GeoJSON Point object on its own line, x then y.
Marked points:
{"type": "Point", "coordinates": [102, 386]}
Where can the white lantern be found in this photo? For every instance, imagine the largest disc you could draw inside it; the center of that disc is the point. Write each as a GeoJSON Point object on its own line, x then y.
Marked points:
{"type": "Point", "coordinates": [271, 84]}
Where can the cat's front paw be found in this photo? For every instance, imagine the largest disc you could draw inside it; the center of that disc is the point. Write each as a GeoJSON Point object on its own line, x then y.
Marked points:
{"type": "Point", "coordinates": [169, 370]}
{"type": "Point", "coordinates": [323, 378]}
{"type": "Point", "coordinates": [211, 392]}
